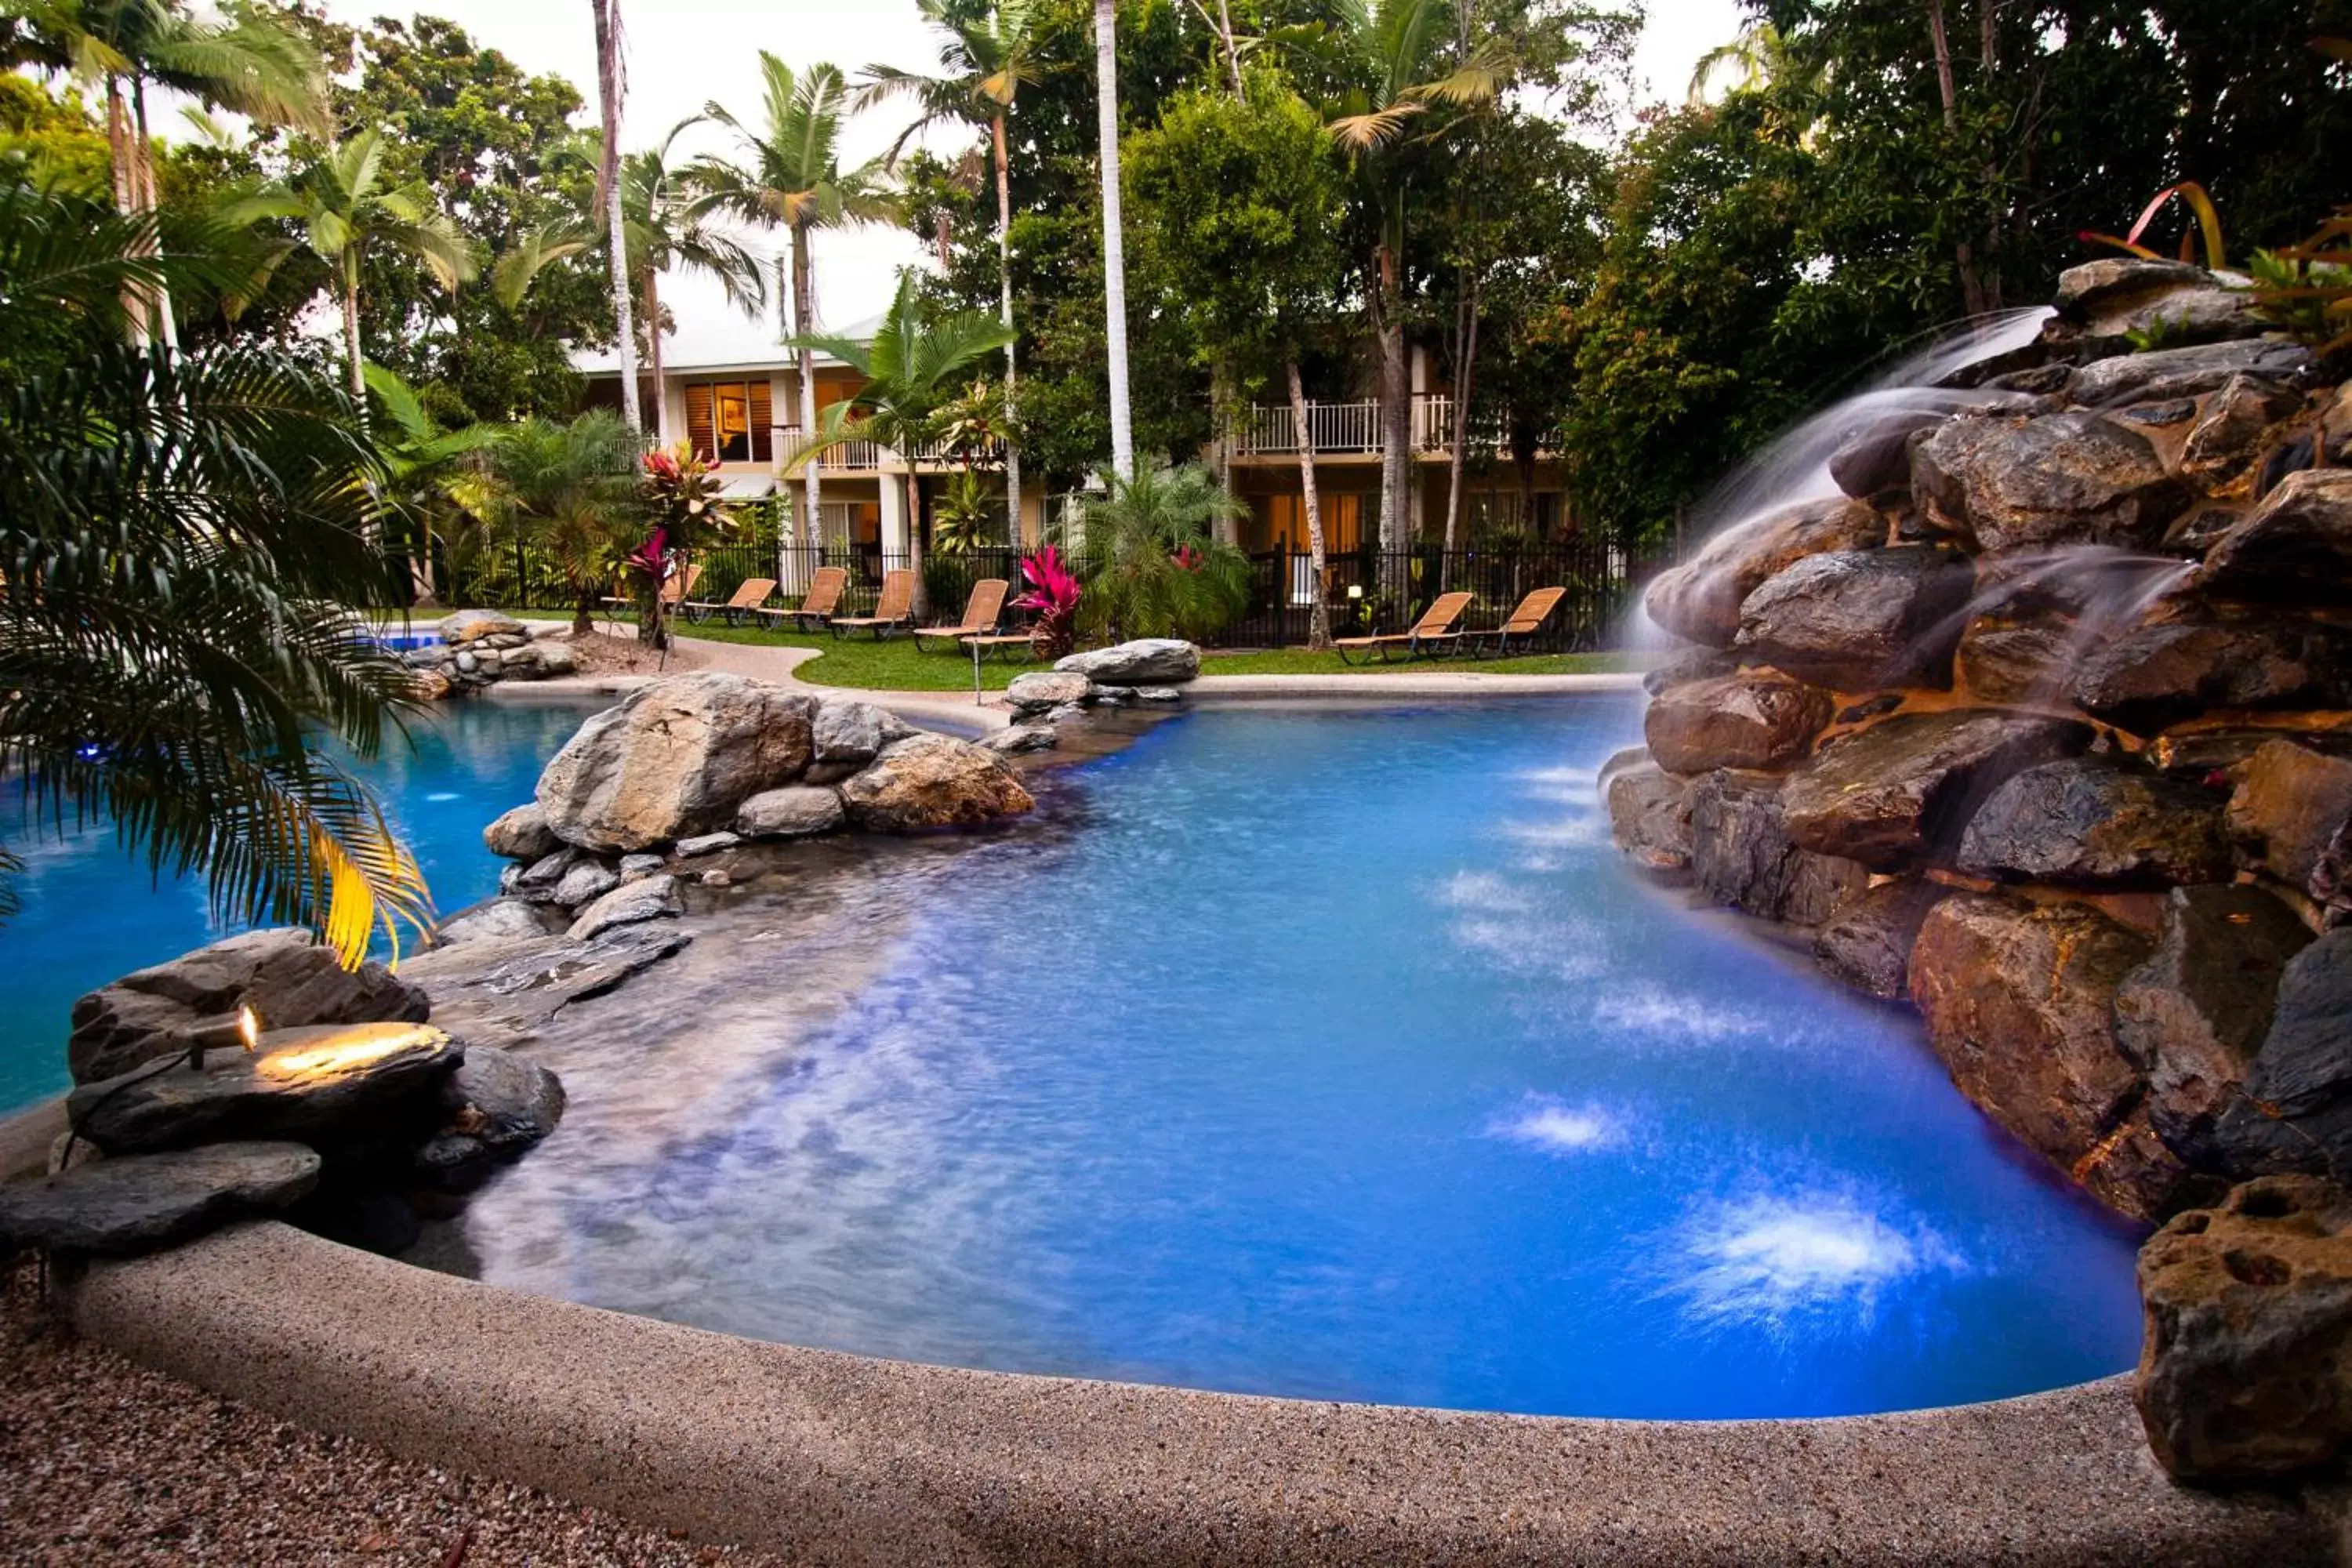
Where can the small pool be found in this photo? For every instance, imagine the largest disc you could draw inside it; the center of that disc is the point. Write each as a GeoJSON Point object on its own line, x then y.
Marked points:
{"type": "Point", "coordinates": [1328, 1052]}
{"type": "Point", "coordinates": [91, 913]}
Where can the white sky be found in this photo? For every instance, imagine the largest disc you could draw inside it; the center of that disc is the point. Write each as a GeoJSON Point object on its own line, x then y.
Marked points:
{"type": "Point", "coordinates": [682, 53]}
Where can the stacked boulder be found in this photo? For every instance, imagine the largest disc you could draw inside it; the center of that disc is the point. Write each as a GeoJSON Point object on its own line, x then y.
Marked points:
{"type": "Point", "coordinates": [345, 1105]}
{"type": "Point", "coordinates": [482, 648]}
{"type": "Point", "coordinates": [1151, 671]}
{"type": "Point", "coordinates": [2042, 723]}
{"type": "Point", "coordinates": [695, 764]}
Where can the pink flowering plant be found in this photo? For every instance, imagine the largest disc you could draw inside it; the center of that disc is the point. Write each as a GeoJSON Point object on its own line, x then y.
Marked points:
{"type": "Point", "coordinates": [681, 500]}
{"type": "Point", "coordinates": [1053, 593]}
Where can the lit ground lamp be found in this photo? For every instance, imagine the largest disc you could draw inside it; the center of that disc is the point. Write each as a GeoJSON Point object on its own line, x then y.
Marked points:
{"type": "Point", "coordinates": [331, 1051]}
{"type": "Point", "coordinates": [240, 1030]}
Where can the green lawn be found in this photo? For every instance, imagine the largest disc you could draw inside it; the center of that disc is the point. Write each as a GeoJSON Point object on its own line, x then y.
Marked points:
{"type": "Point", "coordinates": [897, 665]}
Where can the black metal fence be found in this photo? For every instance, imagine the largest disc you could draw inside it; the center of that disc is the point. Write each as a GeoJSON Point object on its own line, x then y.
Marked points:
{"type": "Point", "coordinates": [1367, 591]}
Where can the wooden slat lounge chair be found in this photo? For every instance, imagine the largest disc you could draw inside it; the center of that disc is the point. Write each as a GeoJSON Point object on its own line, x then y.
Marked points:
{"type": "Point", "coordinates": [816, 607]}
{"type": "Point", "coordinates": [749, 595]}
{"type": "Point", "coordinates": [894, 610]}
{"type": "Point", "coordinates": [981, 610]}
{"type": "Point", "coordinates": [1433, 631]}
{"type": "Point", "coordinates": [674, 591]}
{"type": "Point", "coordinates": [1525, 623]}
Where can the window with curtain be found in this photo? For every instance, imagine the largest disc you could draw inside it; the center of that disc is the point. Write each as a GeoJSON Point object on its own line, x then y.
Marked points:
{"type": "Point", "coordinates": [730, 421]}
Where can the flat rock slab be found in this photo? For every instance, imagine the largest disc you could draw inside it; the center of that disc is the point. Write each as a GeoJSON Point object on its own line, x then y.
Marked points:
{"type": "Point", "coordinates": [1146, 661]}
{"type": "Point", "coordinates": [138, 1202]}
{"type": "Point", "coordinates": [329, 1085]}
{"type": "Point", "coordinates": [512, 988]}
{"type": "Point", "coordinates": [1907, 784]}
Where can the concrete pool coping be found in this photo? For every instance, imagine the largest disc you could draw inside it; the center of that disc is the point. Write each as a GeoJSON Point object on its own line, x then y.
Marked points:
{"type": "Point", "coordinates": [844, 1458]}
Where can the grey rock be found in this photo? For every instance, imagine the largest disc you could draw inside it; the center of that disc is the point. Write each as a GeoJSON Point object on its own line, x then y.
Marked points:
{"type": "Point", "coordinates": [2193, 1016]}
{"type": "Point", "coordinates": [2117, 279]}
{"type": "Point", "coordinates": [1116, 696]}
{"type": "Point", "coordinates": [2246, 1369]}
{"type": "Point", "coordinates": [494, 1106]}
{"type": "Point", "coordinates": [1147, 662]}
{"type": "Point", "coordinates": [1905, 786]}
{"type": "Point", "coordinates": [493, 921]}
{"type": "Point", "coordinates": [1016, 739]}
{"type": "Point", "coordinates": [704, 844]}
{"type": "Point", "coordinates": [2015, 661]}
{"type": "Point", "coordinates": [521, 834]}
{"type": "Point", "coordinates": [631, 903]}
{"type": "Point", "coordinates": [539, 880]}
{"type": "Point", "coordinates": [2152, 677]}
{"type": "Point", "coordinates": [330, 1086]}
{"type": "Point", "coordinates": [1041, 690]}
{"type": "Point", "coordinates": [1857, 619]}
{"type": "Point", "coordinates": [848, 733]}
{"type": "Point", "coordinates": [470, 662]}
{"type": "Point", "coordinates": [2184, 372]}
{"type": "Point", "coordinates": [632, 867]}
{"type": "Point", "coordinates": [509, 989]}
{"type": "Point", "coordinates": [1650, 814]}
{"type": "Point", "coordinates": [473, 625]}
{"type": "Point", "coordinates": [933, 781]}
{"type": "Point", "coordinates": [587, 881]}
{"type": "Point", "coordinates": [1690, 664]}
{"type": "Point", "coordinates": [1866, 942]}
{"type": "Point", "coordinates": [138, 1203]}
{"type": "Point", "coordinates": [1741, 856]}
{"type": "Point", "coordinates": [674, 759]}
{"type": "Point", "coordinates": [1700, 600]}
{"type": "Point", "coordinates": [1066, 713]}
{"type": "Point", "coordinates": [556, 658]}
{"type": "Point", "coordinates": [2080, 822]}
{"type": "Point", "coordinates": [2294, 1114]}
{"type": "Point", "coordinates": [290, 979]}
{"type": "Point", "coordinates": [2072, 478]}
{"type": "Point", "coordinates": [2200, 315]}
{"type": "Point", "coordinates": [796, 811]}
{"type": "Point", "coordinates": [2157, 415]}
{"type": "Point", "coordinates": [1159, 694]}
{"type": "Point", "coordinates": [2232, 431]}
{"type": "Point", "coordinates": [1878, 458]}
{"type": "Point", "coordinates": [2295, 548]}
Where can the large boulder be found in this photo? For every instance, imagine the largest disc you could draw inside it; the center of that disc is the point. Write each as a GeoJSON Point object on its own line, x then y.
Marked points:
{"type": "Point", "coordinates": [2233, 429]}
{"type": "Point", "coordinates": [138, 1203]}
{"type": "Point", "coordinates": [1860, 619]}
{"type": "Point", "coordinates": [1700, 599]}
{"type": "Point", "coordinates": [2194, 1015]}
{"type": "Point", "coordinates": [2019, 999]}
{"type": "Point", "coordinates": [2074, 478]}
{"type": "Point", "coordinates": [521, 834]}
{"type": "Point", "coordinates": [848, 735]}
{"type": "Point", "coordinates": [333, 1087]}
{"type": "Point", "coordinates": [2297, 1111]}
{"type": "Point", "coordinates": [2287, 806]}
{"type": "Point", "coordinates": [1042, 690]}
{"type": "Point", "coordinates": [2111, 281]}
{"type": "Point", "coordinates": [795, 811]}
{"type": "Point", "coordinates": [1905, 786]}
{"type": "Point", "coordinates": [674, 759]}
{"type": "Point", "coordinates": [1876, 459]}
{"type": "Point", "coordinates": [1756, 718]}
{"type": "Point", "coordinates": [2185, 372]}
{"type": "Point", "coordinates": [933, 781]}
{"type": "Point", "coordinates": [2245, 1369]}
{"type": "Point", "coordinates": [1866, 942]}
{"type": "Point", "coordinates": [2294, 548]}
{"type": "Point", "coordinates": [497, 1105]}
{"type": "Point", "coordinates": [288, 978]}
{"type": "Point", "coordinates": [468, 628]}
{"type": "Point", "coordinates": [1147, 662]}
{"type": "Point", "coordinates": [1741, 856]}
{"type": "Point", "coordinates": [2148, 678]}
{"type": "Point", "coordinates": [2080, 822]}
{"type": "Point", "coordinates": [1650, 814]}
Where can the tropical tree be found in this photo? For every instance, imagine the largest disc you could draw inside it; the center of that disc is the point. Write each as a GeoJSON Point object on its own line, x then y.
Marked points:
{"type": "Point", "coordinates": [568, 490]}
{"type": "Point", "coordinates": [790, 177]}
{"type": "Point", "coordinates": [423, 469]}
{"type": "Point", "coordinates": [344, 208]}
{"type": "Point", "coordinates": [248, 64]}
{"type": "Point", "coordinates": [915, 369]}
{"type": "Point", "coordinates": [180, 533]}
{"type": "Point", "coordinates": [665, 234]}
{"type": "Point", "coordinates": [985, 60]}
{"type": "Point", "coordinates": [1151, 560]}
{"type": "Point", "coordinates": [1114, 252]}
{"type": "Point", "coordinates": [611, 84]}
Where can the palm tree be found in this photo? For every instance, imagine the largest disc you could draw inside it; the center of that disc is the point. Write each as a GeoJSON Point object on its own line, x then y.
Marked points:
{"type": "Point", "coordinates": [249, 64]}
{"type": "Point", "coordinates": [610, 85]}
{"type": "Point", "coordinates": [1122, 426]}
{"type": "Point", "coordinates": [984, 62]}
{"type": "Point", "coordinates": [568, 490]}
{"type": "Point", "coordinates": [423, 466]}
{"type": "Point", "coordinates": [180, 533]}
{"type": "Point", "coordinates": [344, 206]}
{"type": "Point", "coordinates": [792, 177]}
{"type": "Point", "coordinates": [1153, 564]}
{"type": "Point", "coordinates": [664, 233]}
{"type": "Point", "coordinates": [914, 367]}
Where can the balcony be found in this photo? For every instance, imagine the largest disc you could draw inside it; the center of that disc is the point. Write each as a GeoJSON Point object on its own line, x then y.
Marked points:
{"type": "Point", "coordinates": [1347, 429]}
{"type": "Point", "coordinates": [873, 456]}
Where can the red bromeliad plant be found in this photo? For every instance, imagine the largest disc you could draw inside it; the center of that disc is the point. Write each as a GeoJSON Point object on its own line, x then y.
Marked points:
{"type": "Point", "coordinates": [1052, 594]}
{"type": "Point", "coordinates": [681, 495]}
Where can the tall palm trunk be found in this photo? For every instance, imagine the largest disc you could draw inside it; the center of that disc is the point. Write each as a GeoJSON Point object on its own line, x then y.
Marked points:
{"type": "Point", "coordinates": [149, 198]}
{"type": "Point", "coordinates": [1004, 313]}
{"type": "Point", "coordinates": [1122, 431]}
{"type": "Point", "coordinates": [1460, 434]}
{"type": "Point", "coordinates": [812, 529]}
{"type": "Point", "coordinates": [608, 176]}
{"type": "Point", "coordinates": [122, 162]}
{"type": "Point", "coordinates": [654, 357]}
{"type": "Point", "coordinates": [1396, 423]}
{"type": "Point", "coordinates": [1318, 613]}
{"type": "Point", "coordinates": [354, 360]}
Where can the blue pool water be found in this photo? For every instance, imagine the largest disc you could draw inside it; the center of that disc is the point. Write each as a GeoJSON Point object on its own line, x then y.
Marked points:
{"type": "Point", "coordinates": [90, 912]}
{"type": "Point", "coordinates": [1330, 1054]}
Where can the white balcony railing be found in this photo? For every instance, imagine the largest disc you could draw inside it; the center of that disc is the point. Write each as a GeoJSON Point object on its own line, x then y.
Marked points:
{"type": "Point", "coordinates": [1339, 430]}
{"type": "Point", "coordinates": [872, 457]}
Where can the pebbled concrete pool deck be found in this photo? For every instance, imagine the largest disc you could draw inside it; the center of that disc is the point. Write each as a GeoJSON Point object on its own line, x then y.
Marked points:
{"type": "Point", "coordinates": [842, 1459]}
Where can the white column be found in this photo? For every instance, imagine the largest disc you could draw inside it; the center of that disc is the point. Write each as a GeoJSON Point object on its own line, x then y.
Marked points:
{"type": "Point", "coordinates": [893, 520]}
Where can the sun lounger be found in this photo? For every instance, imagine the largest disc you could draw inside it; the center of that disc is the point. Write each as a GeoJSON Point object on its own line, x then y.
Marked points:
{"type": "Point", "coordinates": [893, 611]}
{"type": "Point", "coordinates": [1435, 630]}
{"type": "Point", "coordinates": [749, 595]}
{"type": "Point", "coordinates": [674, 591]}
{"type": "Point", "coordinates": [817, 605]}
{"type": "Point", "coordinates": [1525, 623]}
{"type": "Point", "coordinates": [981, 610]}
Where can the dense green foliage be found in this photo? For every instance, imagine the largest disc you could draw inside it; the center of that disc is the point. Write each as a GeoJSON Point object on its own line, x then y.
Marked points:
{"type": "Point", "coordinates": [1149, 560]}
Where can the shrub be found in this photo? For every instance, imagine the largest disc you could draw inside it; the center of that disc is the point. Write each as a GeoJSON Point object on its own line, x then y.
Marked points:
{"type": "Point", "coordinates": [1152, 566]}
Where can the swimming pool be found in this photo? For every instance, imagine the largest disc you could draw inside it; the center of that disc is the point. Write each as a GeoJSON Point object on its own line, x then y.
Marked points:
{"type": "Point", "coordinates": [1326, 1053]}
{"type": "Point", "coordinates": [91, 913]}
